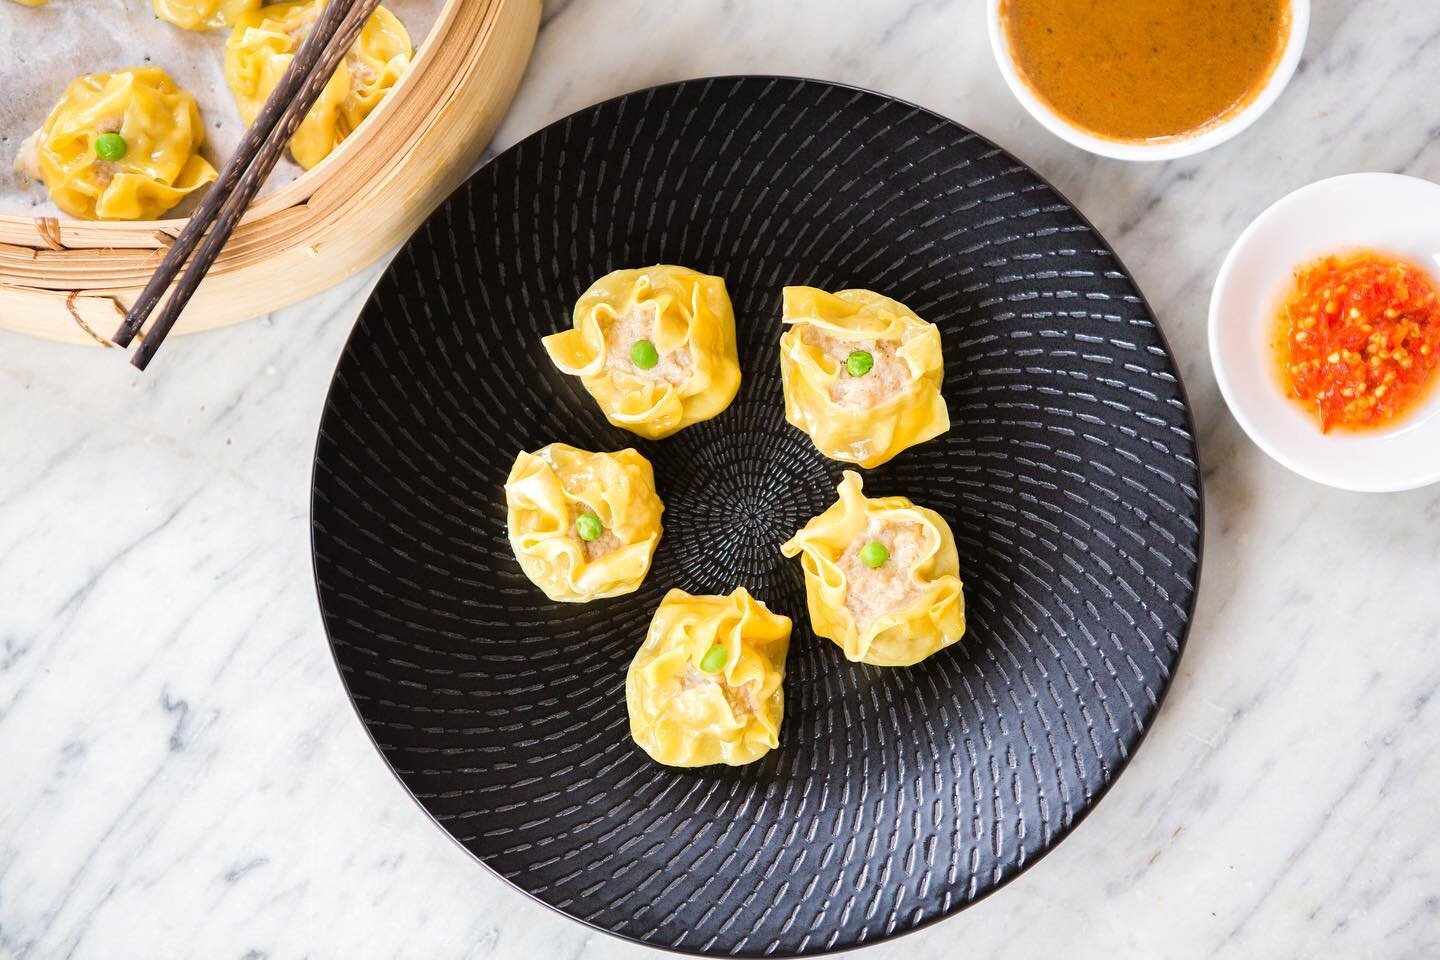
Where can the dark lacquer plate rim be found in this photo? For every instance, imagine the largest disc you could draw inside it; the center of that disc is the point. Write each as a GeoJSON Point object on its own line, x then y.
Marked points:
{"type": "Point", "coordinates": [1131, 746]}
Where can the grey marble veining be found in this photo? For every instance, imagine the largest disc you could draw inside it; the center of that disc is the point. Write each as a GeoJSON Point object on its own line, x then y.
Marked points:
{"type": "Point", "coordinates": [182, 776]}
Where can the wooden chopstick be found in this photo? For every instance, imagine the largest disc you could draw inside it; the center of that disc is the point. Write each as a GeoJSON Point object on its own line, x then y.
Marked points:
{"type": "Point", "coordinates": [225, 203]}
{"type": "Point", "coordinates": [255, 137]}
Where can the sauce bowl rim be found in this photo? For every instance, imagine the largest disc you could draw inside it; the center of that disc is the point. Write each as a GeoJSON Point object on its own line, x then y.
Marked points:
{"type": "Point", "coordinates": [1170, 149]}
{"type": "Point", "coordinates": [1360, 474]}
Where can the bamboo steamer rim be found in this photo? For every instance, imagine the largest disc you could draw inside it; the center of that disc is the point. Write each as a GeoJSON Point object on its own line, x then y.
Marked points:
{"type": "Point", "coordinates": [68, 279]}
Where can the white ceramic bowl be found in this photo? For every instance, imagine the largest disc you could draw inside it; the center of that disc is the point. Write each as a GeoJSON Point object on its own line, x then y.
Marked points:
{"type": "Point", "coordinates": [1382, 211]}
{"type": "Point", "coordinates": [1160, 149]}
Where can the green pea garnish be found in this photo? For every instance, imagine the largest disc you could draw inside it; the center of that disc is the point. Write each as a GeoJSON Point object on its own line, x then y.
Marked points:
{"type": "Point", "coordinates": [643, 354]}
{"type": "Point", "coordinates": [714, 659]}
{"type": "Point", "coordinates": [588, 526]}
{"type": "Point", "coordinates": [110, 146]}
{"type": "Point", "coordinates": [859, 363]}
{"type": "Point", "coordinates": [874, 554]}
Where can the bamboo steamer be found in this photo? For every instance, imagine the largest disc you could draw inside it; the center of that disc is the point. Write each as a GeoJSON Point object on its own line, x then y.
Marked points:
{"type": "Point", "coordinates": [72, 280]}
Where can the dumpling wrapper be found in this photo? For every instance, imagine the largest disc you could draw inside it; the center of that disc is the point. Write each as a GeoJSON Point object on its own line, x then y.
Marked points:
{"type": "Point", "coordinates": [544, 493]}
{"type": "Point", "coordinates": [264, 42]}
{"type": "Point", "coordinates": [202, 14]}
{"type": "Point", "coordinates": [163, 133]}
{"type": "Point", "coordinates": [931, 615]}
{"type": "Point", "coordinates": [893, 407]}
{"type": "Point", "coordinates": [687, 316]}
{"type": "Point", "coordinates": [684, 717]}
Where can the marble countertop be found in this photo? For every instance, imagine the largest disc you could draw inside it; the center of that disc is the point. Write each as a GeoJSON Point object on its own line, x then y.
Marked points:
{"type": "Point", "coordinates": [182, 776]}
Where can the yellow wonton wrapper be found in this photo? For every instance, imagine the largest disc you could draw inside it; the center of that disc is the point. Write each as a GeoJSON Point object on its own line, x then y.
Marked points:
{"type": "Point", "coordinates": [859, 433]}
{"type": "Point", "coordinates": [680, 309]}
{"type": "Point", "coordinates": [545, 492]}
{"type": "Point", "coordinates": [162, 130]}
{"type": "Point", "coordinates": [202, 14]}
{"type": "Point", "coordinates": [685, 717]}
{"type": "Point", "coordinates": [264, 42]}
{"type": "Point", "coordinates": [930, 619]}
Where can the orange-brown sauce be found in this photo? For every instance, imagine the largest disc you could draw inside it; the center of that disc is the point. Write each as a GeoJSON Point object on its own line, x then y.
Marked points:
{"type": "Point", "coordinates": [1138, 70]}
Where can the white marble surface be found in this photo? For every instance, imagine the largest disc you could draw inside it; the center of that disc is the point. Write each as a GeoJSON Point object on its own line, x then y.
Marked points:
{"type": "Point", "coordinates": [180, 772]}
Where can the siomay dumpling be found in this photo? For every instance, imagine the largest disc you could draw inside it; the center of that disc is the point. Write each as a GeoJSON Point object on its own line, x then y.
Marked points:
{"type": "Point", "coordinates": [881, 577]}
{"type": "Point", "coordinates": [706, 686]}
{"type": "Point", "coordinates": [202, 14]}
{"type": "Point", "coordinates": [655, 347]}
{"type": "Point", "coordinates": [861, 374]}
{"type": "Point", "coordinates": [119, 146]}
{"type": "Point", "coordinates": [583, 525]}
{"type": "Point", "coordinates": [264, 42]}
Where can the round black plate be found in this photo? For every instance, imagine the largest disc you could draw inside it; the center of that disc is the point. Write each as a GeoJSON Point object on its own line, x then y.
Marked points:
{"type": "Point", "coordinates": [897, 795]}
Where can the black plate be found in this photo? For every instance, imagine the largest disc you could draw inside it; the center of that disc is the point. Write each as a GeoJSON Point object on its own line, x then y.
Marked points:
{"type": "Point", "coordinates": [897, 795]}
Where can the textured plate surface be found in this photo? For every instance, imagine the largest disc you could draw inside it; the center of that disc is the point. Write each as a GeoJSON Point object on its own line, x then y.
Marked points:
{"type": "Point", "coordinates": [897, 796]}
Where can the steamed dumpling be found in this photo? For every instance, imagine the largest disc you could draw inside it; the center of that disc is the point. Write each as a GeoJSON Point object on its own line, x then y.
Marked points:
{"type": "Point", "coordinates": [706, 686]}
{"type": "Point", "coordinates": [654, 347]}
{"type": "Point", "coordinates": [202, 14]}
{"type": "Point", "coordinates": [873, 407]}
{"type": "Point", "coordinates": [159, 126]}
{"type": "Point", "coordinates": [264, 42]}
{"type": "Point", "coordinates": [893, 613]}
{"type": "Point", "coordinates": [583, 525]}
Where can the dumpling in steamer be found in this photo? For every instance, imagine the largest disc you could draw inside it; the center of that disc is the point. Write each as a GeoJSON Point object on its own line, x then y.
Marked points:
{"type": "Point", "coordinates": [583, 525]}
{"type": "Point", "coordinates": [706, 686]}
{"type": "Point", "coordinates": [881, 577]}
{"type": "Point", "coordinates": [202, 14]}
{"type": "Point", "coordinates": [861, 374]}
{"type": "Point", "coordinates": [119, 146]}
{"type": "Point", "coordinates": [655, 348]}
{"type": "Point", "coordinates": [264, 42]}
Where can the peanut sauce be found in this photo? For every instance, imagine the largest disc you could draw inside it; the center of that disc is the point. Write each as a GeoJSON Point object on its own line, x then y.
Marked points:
{"type": "Point", "coordinates": [1144, 70]}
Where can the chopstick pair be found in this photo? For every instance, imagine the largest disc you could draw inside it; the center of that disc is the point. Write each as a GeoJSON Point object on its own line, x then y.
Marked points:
{"type": "Point", "coordinates": [225, 202]}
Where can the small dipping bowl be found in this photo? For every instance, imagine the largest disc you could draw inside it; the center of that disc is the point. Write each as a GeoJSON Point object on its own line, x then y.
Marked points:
{"type": "Point", "coordinates": [1169, 148]}
{"type": "Point", "coordinates": [1385, 212]}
